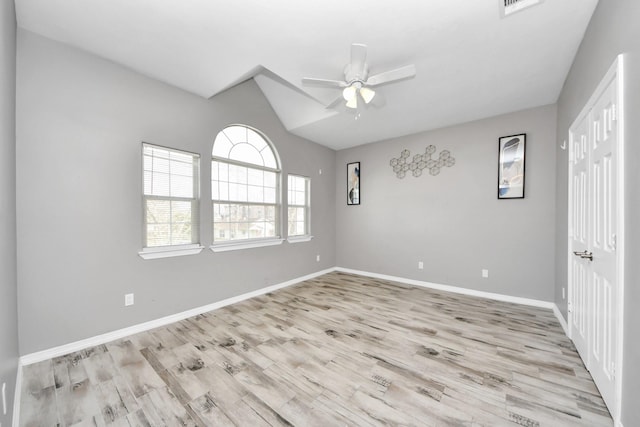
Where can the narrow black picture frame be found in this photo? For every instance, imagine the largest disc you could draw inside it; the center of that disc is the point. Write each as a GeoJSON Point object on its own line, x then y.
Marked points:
{"type": "Point", "coordinates": [511, 166]}
{"type": "Point", "coordinates": [353, 183]}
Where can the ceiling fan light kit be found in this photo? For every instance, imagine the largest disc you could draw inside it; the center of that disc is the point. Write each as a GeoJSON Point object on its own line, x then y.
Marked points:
{"type": "Point", "coordinates": [367, 94]}
{"type": "Point", "coordinates": [350, 94]}
{"type": "Point", "coordinates": [352, 103]}
{"type": "Point", "coordinates": [356, 78]}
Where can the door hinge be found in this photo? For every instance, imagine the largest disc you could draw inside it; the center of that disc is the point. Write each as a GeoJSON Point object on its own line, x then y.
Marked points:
{"type": "Point", "coordinates": [569, 307]}
{"type": "Point", "coordinates": [613, 241]}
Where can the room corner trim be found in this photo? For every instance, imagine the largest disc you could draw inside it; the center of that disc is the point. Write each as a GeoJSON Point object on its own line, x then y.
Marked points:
{"type": "Point", "coordinates": [454, 289]}
{"type": "Point", "coordinates": [39, 356]}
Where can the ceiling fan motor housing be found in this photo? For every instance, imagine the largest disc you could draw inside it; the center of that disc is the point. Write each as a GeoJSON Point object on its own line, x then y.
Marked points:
{"type": "Point", "coordinates": [353, 76]}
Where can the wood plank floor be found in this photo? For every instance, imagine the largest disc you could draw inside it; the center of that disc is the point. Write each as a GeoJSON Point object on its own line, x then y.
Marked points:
{"type": "Point", "coordinates": [338, 350]}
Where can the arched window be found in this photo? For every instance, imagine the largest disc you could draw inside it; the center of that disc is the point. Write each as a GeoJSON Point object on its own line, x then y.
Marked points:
{"type": "Point", "coordinates": [245, 189]}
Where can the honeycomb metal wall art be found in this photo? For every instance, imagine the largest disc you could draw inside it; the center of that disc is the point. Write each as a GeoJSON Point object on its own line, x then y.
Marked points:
{"type": "Point", "coordinates": [403, 165]}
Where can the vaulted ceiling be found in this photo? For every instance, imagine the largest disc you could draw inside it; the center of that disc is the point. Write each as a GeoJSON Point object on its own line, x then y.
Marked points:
{"type": "Point", "coordinates": [471, 63]}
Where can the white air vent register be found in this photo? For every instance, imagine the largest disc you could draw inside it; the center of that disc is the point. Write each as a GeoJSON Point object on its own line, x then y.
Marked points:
{"type": "Point", "coordinates": [507, 7]}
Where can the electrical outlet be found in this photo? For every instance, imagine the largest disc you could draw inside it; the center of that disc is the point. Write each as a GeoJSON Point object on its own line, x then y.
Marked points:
{"type": "Point", "coordinates": [319, 171]}
{"type": "Point", "coordinates": [563, 293]}
{"type": "Point", "coordinates": [318, 258]}
{"type": "Point", "coordinates": [420, 265]}
{"type": "Point", "coordinates": [128, 299]}
{"type": "Point", "coordinates": [485, 273]}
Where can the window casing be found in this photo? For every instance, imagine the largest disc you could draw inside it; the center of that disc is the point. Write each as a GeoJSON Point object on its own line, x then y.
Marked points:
{"type": "Point", "coordinates": [299, 206]}
{"type": "Point", "coordinates": [245, 189]}
{"type": "Point", "coordinates": [171, 202]}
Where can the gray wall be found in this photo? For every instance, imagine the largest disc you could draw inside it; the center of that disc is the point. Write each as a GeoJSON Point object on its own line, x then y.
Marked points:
{"type": "Point", "coordinates": [453, 221]}
{"type": "Point", "coordinates": [8, 279]}
{"type": "Point", "coordinates": [80, 123]}
{"type": "Point", "coordinates": [613, 30]}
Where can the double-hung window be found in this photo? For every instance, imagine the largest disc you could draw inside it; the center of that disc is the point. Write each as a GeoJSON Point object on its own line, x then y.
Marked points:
{"type": "Point", "coordinates": [170, 202]}
{"type": "Point", "coordinates": [245, 190]}
{"type": "Point", "coordinates": [298, 208]}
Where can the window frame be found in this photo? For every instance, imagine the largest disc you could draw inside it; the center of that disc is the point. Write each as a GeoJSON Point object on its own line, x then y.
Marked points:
{"type": "Point", "coordinates": [229, 245]}
{"type": "Point", "coordinates": [296, 238]}
{"type": "Point", "coordinates": [154, 252]}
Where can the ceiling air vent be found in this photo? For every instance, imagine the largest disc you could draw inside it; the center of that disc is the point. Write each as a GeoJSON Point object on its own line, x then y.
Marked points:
{"type": "Point", "coordinates": [508, 7]}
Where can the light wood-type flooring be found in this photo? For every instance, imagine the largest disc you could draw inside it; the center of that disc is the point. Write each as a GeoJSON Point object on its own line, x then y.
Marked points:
{"type": "Point", "coordinates": [338, 350]}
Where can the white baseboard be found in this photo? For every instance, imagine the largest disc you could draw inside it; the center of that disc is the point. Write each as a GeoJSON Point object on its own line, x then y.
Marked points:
{"type": "Point", "coordinates": [465, 291]}
{"type": "Point", "coordinates": [455, 289]}
{"type": "Point", "coordinates": [561, 320]}
{"type": "Point", "coordinates": [121, 333]}
{"type": "Point", "coordinates": [16, 397]}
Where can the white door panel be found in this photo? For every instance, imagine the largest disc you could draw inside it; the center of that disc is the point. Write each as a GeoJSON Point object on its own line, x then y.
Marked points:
{"type": "Point", "coordinates": [603, 229]}
{"type": "Point", "coordinates": [579, 137]}
{"type": "Point", "coordinates": [592, 238]}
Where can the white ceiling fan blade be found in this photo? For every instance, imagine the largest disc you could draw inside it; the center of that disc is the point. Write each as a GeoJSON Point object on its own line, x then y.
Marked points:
{"type": "Point", "coordinates": [358, 59]}
{"type": "Point", "coordinates": [323, 82]}
{"type": "Point", "coordinates": [392, 75]}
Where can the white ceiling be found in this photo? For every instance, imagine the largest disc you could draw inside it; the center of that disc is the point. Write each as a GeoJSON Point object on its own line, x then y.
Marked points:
{"type": "Point", "coordinates": [470, 62]}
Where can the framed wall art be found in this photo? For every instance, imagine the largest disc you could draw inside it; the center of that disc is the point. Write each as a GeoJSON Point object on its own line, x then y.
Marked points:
{"type": "Point", "coordinates": [353, 183]}
{"type": "Point", "coordinates": [511, 153]}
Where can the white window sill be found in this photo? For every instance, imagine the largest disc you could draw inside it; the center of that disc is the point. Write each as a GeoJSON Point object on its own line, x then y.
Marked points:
{"type": "Point", "coordinates": [299, 239]}
{"type": "Point", "coordinates": [170, 251]}
{"type": "Point", "coordinates": [235, 246]}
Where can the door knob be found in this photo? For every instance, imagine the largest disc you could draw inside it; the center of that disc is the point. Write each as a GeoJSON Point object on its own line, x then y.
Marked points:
{"type": "Point", "coordinates": [587, 255]}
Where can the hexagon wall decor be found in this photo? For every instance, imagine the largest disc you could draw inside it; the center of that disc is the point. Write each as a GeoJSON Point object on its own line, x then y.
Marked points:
{"type": "Point", "coordinates": [415, 166]}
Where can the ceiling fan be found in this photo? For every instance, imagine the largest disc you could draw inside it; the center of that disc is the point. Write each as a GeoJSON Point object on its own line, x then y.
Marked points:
{"type": "Point", "coordinates": [356, 78]}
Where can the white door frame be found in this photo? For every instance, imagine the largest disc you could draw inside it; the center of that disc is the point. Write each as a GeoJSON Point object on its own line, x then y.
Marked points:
{"type": "Point", "coordinates": [615, 71]}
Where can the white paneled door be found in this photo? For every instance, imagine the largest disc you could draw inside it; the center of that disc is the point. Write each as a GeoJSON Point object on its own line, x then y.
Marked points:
{"type": "Point", "coordinates": [579, 306]}
{"type": "Point", "coordinates": [593, 233]}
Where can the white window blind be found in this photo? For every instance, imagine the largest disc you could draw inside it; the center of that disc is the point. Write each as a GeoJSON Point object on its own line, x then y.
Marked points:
{"type": "Point", "coordinates": [245, 193]}
{"type": "Point", "coordinates": [171, 197]}
{"type": "Point", "coordinates": [298, 206]}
